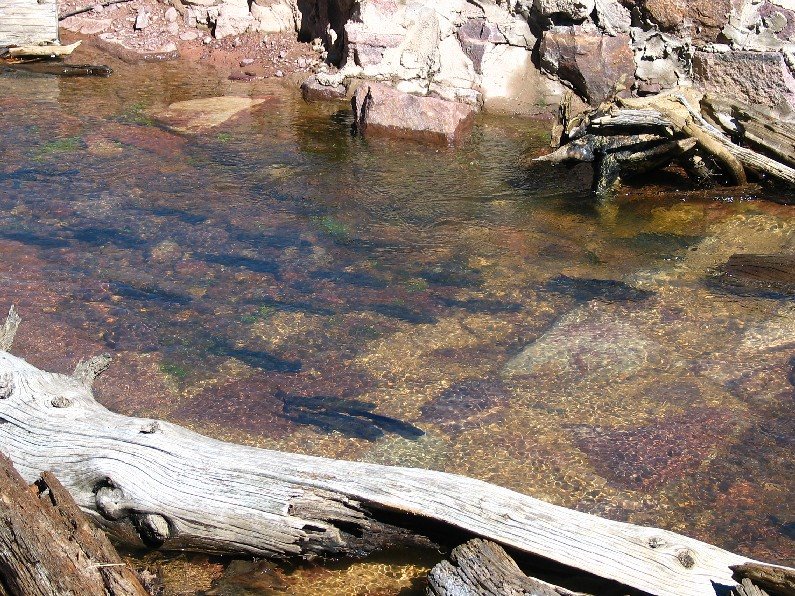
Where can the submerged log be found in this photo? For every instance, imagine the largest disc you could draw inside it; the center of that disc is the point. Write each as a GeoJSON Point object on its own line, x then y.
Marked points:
{"type": "Point", "coordinates": [50, 547]}
{"type": "Point", "coordinates": [158, 484]}
{"type": "Point", "coordinates": [484, 568]}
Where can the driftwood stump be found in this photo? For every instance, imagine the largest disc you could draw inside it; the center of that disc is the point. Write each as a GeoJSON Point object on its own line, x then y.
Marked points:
{"type": "Point", "coordinates": [155, 483]}
{"type": "Point", "coordinates": [48, 546]}
{"type": "Point", "coordinates": [625, 137]}
{"type": "Point", "coordinates": [482, 568]}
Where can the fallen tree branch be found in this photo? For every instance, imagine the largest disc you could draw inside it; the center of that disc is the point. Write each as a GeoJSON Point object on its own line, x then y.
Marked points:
{"type": "Point", "coordinates": [154, 483]}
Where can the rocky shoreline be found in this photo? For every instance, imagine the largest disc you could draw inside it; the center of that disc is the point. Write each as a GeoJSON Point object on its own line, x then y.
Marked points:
{"type": "Point", "coordinates": [515, 58]}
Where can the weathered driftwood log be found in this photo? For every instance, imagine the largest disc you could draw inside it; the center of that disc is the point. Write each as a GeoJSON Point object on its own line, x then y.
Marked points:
{"type": "Point", "coordinates": [46, 51]}
{"type": "Point", "coordinates": [159, 484]}
{"type": "Point", "coordinates": [760, 127]}
{"type": "Point", "coordinates": [604, 134]}
{"type": "Point", "coordinates": [48, 546]}
{"type": "Point", "coordinates": [778, 581]}
{"type": "Point", "coordinates": [483, 568]}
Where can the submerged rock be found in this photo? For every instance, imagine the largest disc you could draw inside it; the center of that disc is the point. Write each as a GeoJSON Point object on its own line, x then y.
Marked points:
{"type": "Point", "coordinates": [593, 342]}
{"type": "Point", "coordinates": [382, 110]}
{"type": "Point", "coordinates": [763, 276]}
{"type": "Point", "coordinates": [197, 115]}
{"type": "Point", "coordinates": [667, 450]}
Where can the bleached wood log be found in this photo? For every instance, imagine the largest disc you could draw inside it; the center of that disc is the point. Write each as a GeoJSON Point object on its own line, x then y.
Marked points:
{"type": "Point", "coordinates": [25, 22]}
{"type": "Point", "coordinates": [760, 127]}
{"type": "Point", "coordinates": [45, 51]}
{"type": "Point", "coordinates": [158, 483]}
{"type": "Point", "coordinates": [483, 568]}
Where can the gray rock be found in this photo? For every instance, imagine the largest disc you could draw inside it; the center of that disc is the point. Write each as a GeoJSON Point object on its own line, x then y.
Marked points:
{"type": "Point", "coordinates": [575, 10]}
{"type": "Point", "coordinates": [382, 110]}
{"type": "Point", "coordinates": [313, 90]}
{"type": "Point", "coordinates": [612, 17]}
{"type": "Point", "coordinates": [142, 20]}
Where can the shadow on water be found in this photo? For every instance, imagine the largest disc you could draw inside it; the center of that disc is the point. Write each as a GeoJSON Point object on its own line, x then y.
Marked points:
{"type": "Point", "coordinates": [351, 417]}
{"type": "Point", "coordinates": [258, 359]}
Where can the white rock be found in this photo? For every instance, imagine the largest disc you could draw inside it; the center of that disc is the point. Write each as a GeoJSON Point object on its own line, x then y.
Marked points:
{"type": "Point", "coordinates": [188, 35]}
{"type": "Point", "coordinates": [171, 15]}
{"type": "Point", "coordinates": [142, 20]}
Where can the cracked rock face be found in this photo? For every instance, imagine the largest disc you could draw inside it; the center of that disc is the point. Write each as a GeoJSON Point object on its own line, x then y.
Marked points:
{"type": "Point", "coordinates": [575, 10]}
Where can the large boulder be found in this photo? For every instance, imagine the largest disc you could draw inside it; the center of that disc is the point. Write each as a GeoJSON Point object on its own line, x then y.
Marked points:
{"type": "Point", "coordinates": [753, 77]}
{"type": "Point", "coordinates": [382, 110]}
{"type": "Point", "coordinates": [569, 52]}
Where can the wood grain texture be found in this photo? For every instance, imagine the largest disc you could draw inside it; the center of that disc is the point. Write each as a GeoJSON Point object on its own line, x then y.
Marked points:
{"type": "Point", "coordinates": [483, 568]}
{"type": "Point", "coordinates": [50, 547]}
{"type": "Point", "coordinates": [157, 483]}
{"type": "Point", "coordinates": [25, 22]}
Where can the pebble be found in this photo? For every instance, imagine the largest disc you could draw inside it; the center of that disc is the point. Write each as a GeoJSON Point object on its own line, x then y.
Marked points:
{"type": "Point", "coordinates": [278, 73]}
{"type": "Point", "coordinates": [172, 28]}
{"type": "Point", "coordinates": [246, 61]}
{"type": "Point", "coordinates": [142, 20]}
{"type": "Point", "coordinates": [171, 14]}
{"type": "Point", "coordinates": [283, 54]}
{"type": "Point", "coordinates": [236, 42]}
{"type": "Point", "coordinates": [98, 8]}
{"type": "Point", "coordinates": [189, 35]}
{"type": "Point", "coordinates": [207, 40]}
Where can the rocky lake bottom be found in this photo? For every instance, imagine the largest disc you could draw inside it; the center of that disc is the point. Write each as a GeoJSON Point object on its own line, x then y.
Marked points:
{"type": "Point", "coordinates": [274, 280]}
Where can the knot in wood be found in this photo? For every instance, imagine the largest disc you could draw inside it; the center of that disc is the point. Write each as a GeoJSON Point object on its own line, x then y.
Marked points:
{"type": "Point", "coordinates": [686, 558]}
{"type": "Point", "coordinates": [110, 503]}
{"type": "Point", "coordinates": [656, 542]}
{"type": "Point", "coordinates": [61, 402]}
{"type": "Point", "coordinates": [153, 529]}
{"type": "Point", "coordinates": [6, 385]}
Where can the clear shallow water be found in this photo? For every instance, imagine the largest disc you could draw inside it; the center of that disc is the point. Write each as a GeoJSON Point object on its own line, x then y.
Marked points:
{"type": "Point", "coordinates": [278, 282]}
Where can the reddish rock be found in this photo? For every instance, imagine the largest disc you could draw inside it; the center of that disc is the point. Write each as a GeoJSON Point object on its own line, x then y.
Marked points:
{"type": "Point", "coordinates": [702, 20]}
{"type": "Point", "coordinates": [666, 451]}
{"type": "Point", "coordinates": [382, 110]}
{"type": "Point", "coordinates": [313, 90]}
{"type": "Point", "coordinates": [593, 63]}
{"type": "Point", "coordinates": [753, 77]}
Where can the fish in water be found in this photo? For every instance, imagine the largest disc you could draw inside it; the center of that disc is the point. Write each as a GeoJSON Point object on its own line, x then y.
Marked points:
{"type": "Point", "coordinates": [606, 290]}
{"type": "Point", "coordinates": [351, 417]}
{"type": "Point", "coordinates": [254, 358]}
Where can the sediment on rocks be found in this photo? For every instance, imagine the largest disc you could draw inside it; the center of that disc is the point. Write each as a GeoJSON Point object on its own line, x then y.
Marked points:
{"type": "Point", "coordinates": [151, 483]}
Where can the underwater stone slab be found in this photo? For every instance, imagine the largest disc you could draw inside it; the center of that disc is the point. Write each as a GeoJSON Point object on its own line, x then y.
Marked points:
{"type": "Point", "coordinates": [196, 115]}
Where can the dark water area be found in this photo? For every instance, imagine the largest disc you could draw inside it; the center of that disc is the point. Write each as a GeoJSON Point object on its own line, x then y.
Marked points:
{"type": "Point", "coordinates": [275, 281]}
